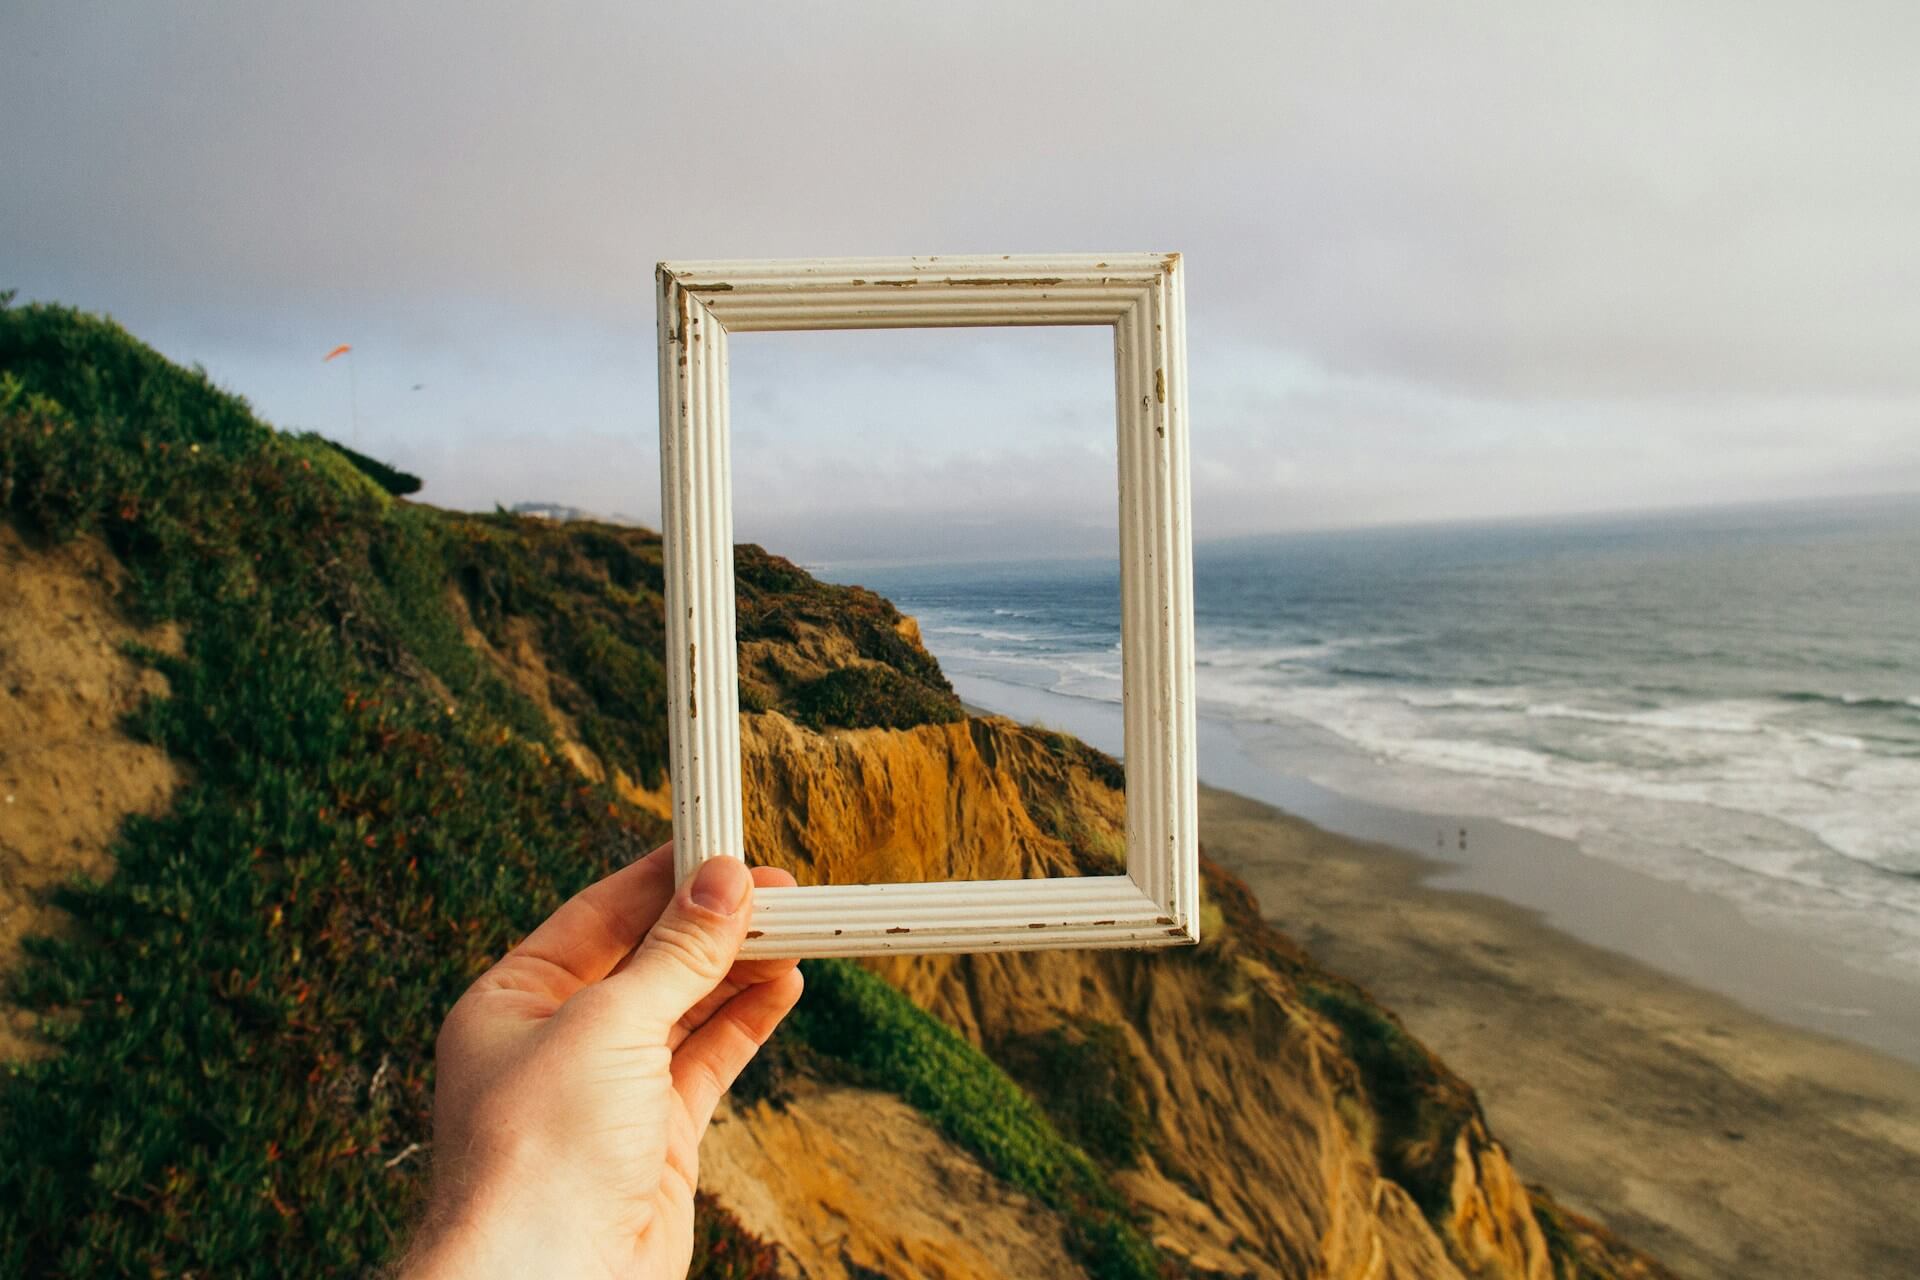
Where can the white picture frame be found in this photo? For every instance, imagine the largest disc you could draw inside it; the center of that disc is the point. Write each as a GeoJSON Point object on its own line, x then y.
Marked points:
{"type": "Point", "coordinates": [1141, 297]}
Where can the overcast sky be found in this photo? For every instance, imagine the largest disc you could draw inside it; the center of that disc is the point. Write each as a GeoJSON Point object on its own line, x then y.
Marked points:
{"type": "Point", "coordinates": [1444, 260]}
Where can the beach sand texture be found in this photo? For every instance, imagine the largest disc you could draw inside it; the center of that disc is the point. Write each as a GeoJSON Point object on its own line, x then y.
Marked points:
{"type": "Point", "coordinates": [1724, 1143]}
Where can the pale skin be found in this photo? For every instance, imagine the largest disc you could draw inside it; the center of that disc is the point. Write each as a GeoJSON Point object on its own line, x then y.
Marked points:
{"type": "Point", "coordinates": [577, 1076]}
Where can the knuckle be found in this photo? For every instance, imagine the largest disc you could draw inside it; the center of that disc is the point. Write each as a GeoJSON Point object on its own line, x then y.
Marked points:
{"type": "Point", "coordinates": [707, 952]}
{"type": "Point", "coordinates": [711, 1080]}
{"type": "Point", "coordinates": [453, 1029]}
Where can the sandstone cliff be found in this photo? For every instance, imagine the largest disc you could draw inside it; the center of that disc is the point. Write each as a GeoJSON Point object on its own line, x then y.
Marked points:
{"type": "Point", "coordinates": [1264, 1117]}
{"type": "Point", "coordinates": [1263, 1137]}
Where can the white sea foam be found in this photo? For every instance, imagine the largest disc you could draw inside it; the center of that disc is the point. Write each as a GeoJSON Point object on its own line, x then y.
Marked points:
{"type": "Point", "coordinates": [1728, 755]}
{"type": "Point", "coordinates": [1868, 809]}
{"type": "Point", "coordinates": [977, 633]}
{"type": "Point", "coordinates": [1782, 803]}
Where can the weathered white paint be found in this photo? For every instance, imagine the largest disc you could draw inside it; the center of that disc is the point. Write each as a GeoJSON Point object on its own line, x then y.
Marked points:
{"type": "Point", "coordinates": [1142, 296]}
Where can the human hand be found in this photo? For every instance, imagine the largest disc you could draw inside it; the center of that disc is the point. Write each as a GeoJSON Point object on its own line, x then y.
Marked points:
{"type": "Point", "coordinates": [576, 1077]}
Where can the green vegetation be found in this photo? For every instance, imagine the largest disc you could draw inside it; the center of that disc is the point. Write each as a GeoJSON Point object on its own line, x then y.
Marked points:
{"type": "Point", "coordinates": [1097, 851]}
{"type": "Point", "coordinates": [1050, 793]}
{"type": "Point", "coordinates": [244, 1013]}
{"type": "Point", "coordinates": [589, 596]}
{"type": "Point", "coordinates": [777, 600]}
{"type": "Point", "coordinates": [245, 1016]}
{"type": "Point", "coordinates": [395, 481]}
{"type": "Point", "coordinates": [1084, 1077]}
{"type": "Point", "coordinates": [1418, 1106]}
{"type": "Point", "coordinates": [872, 698]}
{"type": "Point", "coordinates": [1071, 751]}
{"type": "Point", "coordinates": [853, 1016]}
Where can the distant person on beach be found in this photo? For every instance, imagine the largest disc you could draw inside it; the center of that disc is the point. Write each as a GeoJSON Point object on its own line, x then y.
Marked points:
{"type": "Point", "coordinates": [577, 1076]}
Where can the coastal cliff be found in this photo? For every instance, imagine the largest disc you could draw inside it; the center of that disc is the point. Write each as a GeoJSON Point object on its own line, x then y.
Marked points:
{"type": "Point", "coordinates": [1258, 1142]}
{"type": "Point", "coordinates": [1263, 1116]}
{"type": "Point", "coordinates": [387, 739]}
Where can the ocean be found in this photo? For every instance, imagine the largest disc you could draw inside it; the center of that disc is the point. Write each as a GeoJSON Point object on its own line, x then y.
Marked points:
{"type": "Point", "coordinates": [1727, 699]}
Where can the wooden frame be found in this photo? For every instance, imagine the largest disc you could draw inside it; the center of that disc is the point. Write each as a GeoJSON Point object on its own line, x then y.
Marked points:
{"type": "Point", "coordinates": [1156, 903]}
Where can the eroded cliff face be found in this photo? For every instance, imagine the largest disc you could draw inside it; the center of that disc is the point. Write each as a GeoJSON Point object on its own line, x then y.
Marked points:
{"type": "Point", "coordinates": [1262, 1132]}
{"type": "Point", "coordinates": [1271, 1119]}
{"type": "Point", "coordinates": [854, 1182]}
{"type": "Point", "coordinates": [69, 771]}
{"type": "Point", "coordinates": [867, 806]}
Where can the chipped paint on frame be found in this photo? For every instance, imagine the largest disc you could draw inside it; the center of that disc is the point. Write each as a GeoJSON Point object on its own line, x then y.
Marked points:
{"type": "Point", "coordinates": [1141, 297]}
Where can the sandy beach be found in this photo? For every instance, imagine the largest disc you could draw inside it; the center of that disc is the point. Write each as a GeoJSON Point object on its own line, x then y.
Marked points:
{"type": "Point", "coordinates": [1724, 1142]}
{"type": "Point", "coordinates": [1728, 1097]}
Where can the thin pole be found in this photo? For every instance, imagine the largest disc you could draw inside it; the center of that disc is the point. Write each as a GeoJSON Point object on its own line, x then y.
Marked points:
{"type": "Point", "coordinates": [353, 394]}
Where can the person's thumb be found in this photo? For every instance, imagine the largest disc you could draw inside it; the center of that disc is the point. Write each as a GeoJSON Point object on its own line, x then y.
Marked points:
{"type": "Point", "coordinates": [687, 952]}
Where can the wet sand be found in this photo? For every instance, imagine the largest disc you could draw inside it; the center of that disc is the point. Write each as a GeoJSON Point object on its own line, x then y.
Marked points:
{"type": "Point", "coordinates": [1720, 1140]}
{"type": "Point", "coordinates": [1729, 1096]}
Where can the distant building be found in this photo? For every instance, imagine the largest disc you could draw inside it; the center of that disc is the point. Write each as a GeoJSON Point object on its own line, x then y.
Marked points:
{"type": "Point", "coordinates": [563, 513]}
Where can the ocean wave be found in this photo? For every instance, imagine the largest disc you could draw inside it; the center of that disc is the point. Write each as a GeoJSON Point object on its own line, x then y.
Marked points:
{"type": "Point", "coordinates": [1835, 787]}
{"type": "Point", "coordinates": [1852, 701]}
{"type": "Point", "coordinates": [1795, 759]}
{"type": "Point", "coordinates": [1350, 672]}
{"type": "Point", "coordinates": [1228, 647]}
{"type": "Point", "coordinates": [1838, 741]}
{"type": "Point", "coordinates": [1714, 718]}
{"type": "Point", "coordinates": [1694, 718]}
{"type": "Point", "coordinates": [1469, 700]}
{"type": "Point", "coordinates": [1755, 739]}
{"type": "Point", "coordinates": [1261, 658]}
{"type": "Point", "coordinates": [982, 633]}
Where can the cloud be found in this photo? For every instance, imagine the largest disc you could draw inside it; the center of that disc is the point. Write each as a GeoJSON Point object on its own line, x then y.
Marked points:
{"type": "Point", "coordinates": [1515, 253]}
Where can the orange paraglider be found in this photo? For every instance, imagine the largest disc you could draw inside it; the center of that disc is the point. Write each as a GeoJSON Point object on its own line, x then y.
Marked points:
{"type": "Point", "coordinates": [353, 387]}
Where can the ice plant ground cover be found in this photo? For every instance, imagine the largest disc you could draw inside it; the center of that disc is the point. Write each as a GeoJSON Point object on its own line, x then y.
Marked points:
{"type": "Point", "coordinates": [243, 1014]}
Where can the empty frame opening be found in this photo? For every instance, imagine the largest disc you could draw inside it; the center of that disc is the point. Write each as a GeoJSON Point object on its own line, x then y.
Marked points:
{"type": "Point", "coordinates": [970, 478]}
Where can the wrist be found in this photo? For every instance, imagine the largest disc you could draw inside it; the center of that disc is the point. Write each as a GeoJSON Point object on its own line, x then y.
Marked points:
{"type": "Point", "coordinates": [481, 1235]}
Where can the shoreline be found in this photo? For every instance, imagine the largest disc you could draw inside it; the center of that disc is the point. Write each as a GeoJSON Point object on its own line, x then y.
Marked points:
{"type": "Point", "coordinates": [1692, 1120]}
{"type": "Point", "coordinates": [1716, 1138]}
{"type": "Point", "coordinates": [1683, 933]}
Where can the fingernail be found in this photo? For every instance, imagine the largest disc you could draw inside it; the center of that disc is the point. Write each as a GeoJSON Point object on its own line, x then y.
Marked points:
{"type": "Point", "coordinates": [721, 885]}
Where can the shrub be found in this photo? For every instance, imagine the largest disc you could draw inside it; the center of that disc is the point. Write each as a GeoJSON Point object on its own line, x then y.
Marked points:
{"type": "Point", "coordinates": [589, 597]}
{"type": "Point", "coordinates": [872, 698]}
{"type": "Point", "coordinates": [394, 481]}
{"type": "Point", "coordinates": [1582, 1249]}
{"type": "Point", "coordinates": [1084, 1077]}
{"type": "Point", "coordinates": [777, 599]}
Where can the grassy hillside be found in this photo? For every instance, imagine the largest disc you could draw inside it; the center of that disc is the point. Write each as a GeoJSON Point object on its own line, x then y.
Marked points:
{"type": "Point", "coordinates": [245, 1011]}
